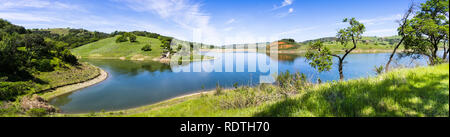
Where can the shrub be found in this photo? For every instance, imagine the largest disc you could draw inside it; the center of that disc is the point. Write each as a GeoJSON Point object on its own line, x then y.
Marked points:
{"type": "Point", "coordinates": [44, 65]}
{"type": "Point", "coordinates": [2, 79]}
{"type": "Point", "coordinates": [379, 69]}
{"type": "Point", "coordinates": [292, 83]}
{"type": "Point", "coordinates": [235, 85]}
{"type": "Point", "coordinates": [68, 57]}
{"type": "Point", "coordinates": [8, 109]}
{"type": "Point", "coordinates": [147, 47]}
{"type": "Point", "coordinates": [244, 97]}
{"type": "Point", "coordinates": [121, 38]}
{"type": "Point", "coordinates": [37, 112]}
{"type": "Point", "coordinates": [218, 89]}
{"type": "Point", "coordinates": [9, 90]}
{"type": "Point", "coordinates": [132, 38]}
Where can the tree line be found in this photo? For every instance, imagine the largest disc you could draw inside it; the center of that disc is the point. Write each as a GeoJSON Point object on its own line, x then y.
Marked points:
{"type": "Point", "coordinates": [74, 37]}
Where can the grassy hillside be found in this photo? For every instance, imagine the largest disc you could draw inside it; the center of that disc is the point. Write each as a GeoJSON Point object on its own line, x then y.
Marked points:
{"type": "Point", "coordinates": [422, 92]}
{"type": "Point", "coordinates": [59, 31]}
{"type": "Point", "coordinates": [367, 43]}
{"type": "Point", "coordinates": [109, 49]}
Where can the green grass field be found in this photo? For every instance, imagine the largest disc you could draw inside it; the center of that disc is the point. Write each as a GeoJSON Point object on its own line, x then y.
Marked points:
{"type": "Point", "coordinates": [418, 92]}
{"type": "Point", "coordinates": [109, 49]}
{"type": "Point", "coordinates": [60, 31]}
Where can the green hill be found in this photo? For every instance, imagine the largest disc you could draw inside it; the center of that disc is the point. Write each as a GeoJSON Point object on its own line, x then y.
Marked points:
{"type": "Point", "coordinates": [59, 31]}
{"type": "Point", "coordinates": [109, 49]}
{"type": "Point", "coordinates": [367, 43]}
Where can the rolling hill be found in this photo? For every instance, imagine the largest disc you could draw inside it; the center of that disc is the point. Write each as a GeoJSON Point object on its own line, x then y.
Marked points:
{"type": "Point", "coordinates": [366, 43]}
{"type": "Point", "coordinates": [109, 49]}
{"type": "Point", "coordinates": [59, 31]}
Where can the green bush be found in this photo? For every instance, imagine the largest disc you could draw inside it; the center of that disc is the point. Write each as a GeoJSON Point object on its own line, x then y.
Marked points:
{"type": "Point", "coordinates": [9, 90]}
{"type": "Point", "coordinates": [132, 38]}
{"type": "Point", "coordinates": [147, 47]}
{"type": "Point", "coordinates": [37, 112]}
{"type": "Point", "coordinates": [121, 38]}
{"type": "Point", "coordinates": [44, 65]}
{"type": "Point", "coordinates": [68, 57]}
{"type": "Point", "coordinates": [47, 65]}
{"type": "Point", "coordinates": [379, 69]}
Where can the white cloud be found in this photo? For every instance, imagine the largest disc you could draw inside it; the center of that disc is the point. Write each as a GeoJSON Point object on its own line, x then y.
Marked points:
{"type": "Point", "coordinates": [381, 32]}
{"type": "Point", "coordinates": [228, 29]}
{"type": "Point", "coordinates": [25, 17]}
{"type": "Point", "coordinates": [287, 2]}
{"type": "Point", "coordinates": [297, 30]}
{"type": "Point", "coordinates": [284, 4]}
{"type": "Point", "coordinates": [184, 13]}
{"type": "Point", "coordinates": [381, 20]}
{"type": "Point", "coordinates": [291, 10]}
{"type": "Point", "coordinates": [230, 21]}
{"type": "Point", "coordinates": [9, 4]}
{"type": "Point", "coordinates": [47, 4]}
{"type": "Point", "coordinates": [284, 14]}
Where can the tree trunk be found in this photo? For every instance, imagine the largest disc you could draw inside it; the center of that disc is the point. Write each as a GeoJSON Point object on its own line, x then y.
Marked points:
{"type": "Point", "coordinates": [392, 55]}
{"type": "Point", "coordinates": [434, 53]}
{"type": "Point", "coordinates": [341, 73]}
{"type": "Point", "coordinates": [341, 59]}
{"type": "Point", "coordinates": [445, 52]}
{"type": "Point", "coordinates": [448, 52]}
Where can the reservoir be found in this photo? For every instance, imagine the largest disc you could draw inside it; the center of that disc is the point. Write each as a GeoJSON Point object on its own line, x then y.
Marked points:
{"type": "Point", "coordinates": [136, 83]}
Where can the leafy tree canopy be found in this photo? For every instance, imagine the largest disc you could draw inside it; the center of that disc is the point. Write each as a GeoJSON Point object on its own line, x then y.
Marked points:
{"type": "Point", "coordinates": [427, 29]}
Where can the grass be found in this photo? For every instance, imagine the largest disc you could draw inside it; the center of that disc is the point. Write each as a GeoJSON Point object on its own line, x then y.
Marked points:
{"type": "Point", "coordinates": [418, 92]}
{"type": "Point", "coordinates": [421, 92]}
{"type": "Point", "coordinates": [109, 49]}
{"type": "Point", "coordinates": [60, 31]}
{"type": "Point", "coordinates": [67, 76]}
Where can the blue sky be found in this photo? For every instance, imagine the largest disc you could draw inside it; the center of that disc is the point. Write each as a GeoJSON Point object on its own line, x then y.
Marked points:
{"type": "Point", "coordinates": [210, 21]}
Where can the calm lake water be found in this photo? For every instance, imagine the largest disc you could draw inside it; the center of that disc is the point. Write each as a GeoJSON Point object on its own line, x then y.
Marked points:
{"type": "Point", "coordinates": [136, 83]}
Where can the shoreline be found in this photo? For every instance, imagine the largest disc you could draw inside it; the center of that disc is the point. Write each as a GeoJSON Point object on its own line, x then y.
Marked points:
{"type": "Point", "coordinates": [160, 60]}
{"type": "Point", "coordinates": [297, 51]}
{"type": "Point", "coordinates": [163, 103]}
{"type": "Point", "coordinates": [103, 75]}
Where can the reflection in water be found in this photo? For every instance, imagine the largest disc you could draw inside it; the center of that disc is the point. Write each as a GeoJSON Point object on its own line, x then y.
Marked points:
{"type": "Point", "coordinates": [131, 68]}
{"type": "Point", "coordinates": [288, 57]}
{"type": "Point", "coordinates": [62, 100]}
{"type": "Point", "coordinates": [136, 83]}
